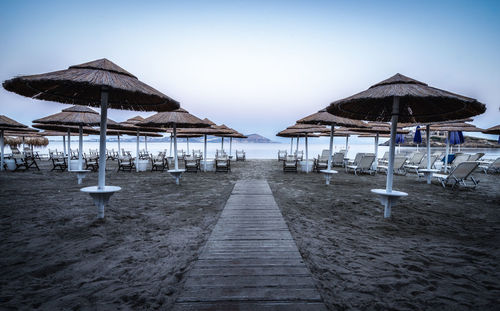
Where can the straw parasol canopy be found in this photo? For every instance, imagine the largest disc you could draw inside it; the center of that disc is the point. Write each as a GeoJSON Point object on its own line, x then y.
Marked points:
{"type": "Point", "coordinates": [12, 141]}
{"type": "Point", "coordinates": [453, 127]}
{"type": "Point", "coordinates": [492, 130]}
{"type": "Point", "coordinates": [73, 115]}
{"type": "Point", "coordinates": [179, 117]}
{"type": "Point", "coordinates": [292, 134]}
{"type": "Point", "coordinates": [7, 123]}
{"type": "Point", "coordinates": [418, 102]}
{"type": "Point", "coordinates": [322, 117]}
{"type": "Point", "coordinates": [56, 133]}
{"type": "Point", "coordinates": [131, 125]}
{"type": "Point", "coordinates": [37, 141]}
{"type": "Point", "coordinates": [82, 84]}
{"type": "Point", "coordinates": [63, 129]}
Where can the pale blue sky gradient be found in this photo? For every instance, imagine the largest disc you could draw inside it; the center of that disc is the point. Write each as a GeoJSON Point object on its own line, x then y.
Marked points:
{"type": "Point", "coordinates": [257, 66]}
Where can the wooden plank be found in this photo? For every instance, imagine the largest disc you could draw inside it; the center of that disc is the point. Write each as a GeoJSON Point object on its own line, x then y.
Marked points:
{"type": "Point", "coordinates": [249, 294]}
{"type": "Point", "coordinates": [250, 306]}
{"type": "Point", "coordinates": [249, 281]}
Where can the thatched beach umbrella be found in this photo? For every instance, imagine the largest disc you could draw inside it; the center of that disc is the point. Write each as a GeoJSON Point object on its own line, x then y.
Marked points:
{"type": "Point", "coordinates": [324, 118]}
{"type": "Point", "coordinates": [12, 141]}
{"type": "Point", "coordinates": [403, 99]}
{"type": "Point", "coordinates": [97, 83]}
{"type": "Point", "coordinates": [231, 133]}
{"type": "Point", "coordinates": [7, 123]}
{"type": "Point", "coordinates": [79, 116]}
{"type": "Point", "coordinates": [205, 131]}
{"type": "Point", "coordinates": [179, 118]}
{"type": "Point", "coordinates": [495, 130]}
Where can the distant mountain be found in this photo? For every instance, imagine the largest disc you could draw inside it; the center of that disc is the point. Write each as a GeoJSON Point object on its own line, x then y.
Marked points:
{"type": "Point", "coordinates": [255, 138]}
{"type": "Point", "coordinates": [252, 138]}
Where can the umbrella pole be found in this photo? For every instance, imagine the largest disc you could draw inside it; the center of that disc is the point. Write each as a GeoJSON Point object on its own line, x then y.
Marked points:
{"type": "Point", "coordinates": [176, 162]}
{"type": "Point", "coordinates": [64, 145]}
{"type": "Point", "coordinates": [80, 147]}
{"type": "Point", "coordinates": [102, 145]}
{"type": "Point", "coordinates": [230, 145]}
{"type": "Point", "coordinates": [375, 163]}
{"type": "Point", "coordinates": [119, 150]}
{"type": "Point", "coordinates": [346, 145]}
{"type": "Point", "coordinates": [170, 144]}
{"type": "Point", "coordinates": [307, 156]}
{"type": "Point", "coordinates": [447, 152]}
{"type": "Point", "coordinates": [297, 147]}
{"type": "Point", "coordinates": [146, 142]}
{"type": "Point", "coordinates": [23, 144]}
{"type": "Point", "coordinates": [69, 151]}
{"type": "Point", "coordinates": [331, 147]}
{"type": "Point", "coordinates": [291, 145]}
{"type": "Point", "coordinates": [187, 142]}
{"type": "Point", "coordinates": [392, 147]}
{"type": "Point", "coordinates": [205, 154]}
{"type": "Point", "coordinates": [2, 147]}
{"type": "Point", "coordinates": [222, 145]}
{"type": "Point", "coordinates": [428, 142]}
{"type": "Point", "coordinates": [137, 153]}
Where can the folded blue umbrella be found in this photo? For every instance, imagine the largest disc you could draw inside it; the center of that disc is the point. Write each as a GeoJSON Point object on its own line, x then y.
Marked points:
{"type": "Point", "coordinates": [400, 138]}
{"type": "Point", "coordinates": [417, 139]}
{"type": "Point", "coordinates": [455, 138]}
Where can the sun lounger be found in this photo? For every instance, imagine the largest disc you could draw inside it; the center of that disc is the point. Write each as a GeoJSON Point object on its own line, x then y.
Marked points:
{"type": "Point", "coordinates": [125, 164]}
{"type": "Point", "coordinates": [493, 167]}
{"type": "Point", "coordinates": [399, 166]}
{"type": "Point", "coordinates": [415, 159]}
{"type": "Point", "coordinates": [364, 165]}
{"type": "Point", "coordinates": [192, 164]}
{"type": "Point", "coordinates": [460, 174]}
{"type": "Point", "coordinates": [222, 164]}
{"type": "Point", "coordinates": [59, 163]}
{"type": "Point", "coordinates": [459, 158]}
{"type": "Point", "coordinates": [384, 159]}
{"type": "Point", "coordinates": [356, 160]}
{"type": "Point", "coordinates": [92, 163]}
{"type": "Point", "coordinates": [290, 164]}
{"type": "Point", "coordinates": [475, 156]}
{"type": "Point", "coordinates": [281, 155]}
{"type": "Point", "coordinates": [240, 155]}
{"type": "Point", "coordinates": [422, 165]}
{"type": "Point", "coordinates": [299, 155]}
{"type": "Point", "coordinates": [159, 163]}
{"type": "Point", "coordinates": [338, 159]}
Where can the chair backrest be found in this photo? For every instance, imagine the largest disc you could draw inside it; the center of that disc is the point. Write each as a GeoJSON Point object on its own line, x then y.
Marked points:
{"type": "Point", "coordinates": [495, 164]}
{"type": "Point", "coordinates": [325, 153]}
{"type": "Point", "coordinates": [282, 153]}
{"type": "Point", "coordinates": [290, 158]}
{"type": "Point", "coordinates": [386, 156]}
{"type": "Point", "coordinates": [476, 156]}
{"type": "Point", "coordinates": [15, 150]}
{"type": "Point", "coordinates": [366, 162]}
{"type": "Point", "coordinates": [399, 162]}
{"type": "Point", "coordinates": [460, 158]}
{"type": "Point", "coordinates": [464, 169]}
{"type": "Point", "coordinates": [423, 163]}
{"type": "Point", "coordinates": [338, 157]}
{"type": "Point", "coordinates": [358, 157]}
{"type": "Point", "coordinates": [416, 158]}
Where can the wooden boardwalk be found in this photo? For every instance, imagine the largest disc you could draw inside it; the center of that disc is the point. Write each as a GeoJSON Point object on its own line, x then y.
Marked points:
{"type": "Point", "coordinates": [250, 261]}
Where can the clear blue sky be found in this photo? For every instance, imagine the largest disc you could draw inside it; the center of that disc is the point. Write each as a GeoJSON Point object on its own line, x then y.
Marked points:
{"type": "Point", "coordinates": [257, 66]}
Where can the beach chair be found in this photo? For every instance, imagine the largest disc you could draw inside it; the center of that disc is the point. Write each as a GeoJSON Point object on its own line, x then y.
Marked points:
{"type": "Point", "coordinates": [384, 159]}
{"type": "Point", "coordinates": [399, 166]}
{"type": "Point", "coordinates": [299, 155]}
{"type": "Point", "coordinates": [338, 159]}
{"type": "Point", "coordinates": [198, 154]}
{"type": "Point", "coordinates": [282, 155]}
{"type": "Point", "coordinates": [459, 158]}
{"type": "Point", "coordinates": [415, 159]}
{"type": "Point", "coordinates": [192, 164]}
{"type": "Point", "coordinates": [364, 165]}
{"type": "Point", "coordinates": [58, 163]}
{"type": "Point", "coordinates": [159, 162]}
{"type": "Point", "coordinates": [493, 167]}
{"type": "Point", "coordinates": [290, 164]}
{"type": "Point", "coordinates": [222, 164]}
{"type": "Point", "coordinates": [475, 157]}
{"type": "Point", "coordinates": [91, 163]}
{"type": "Point", "coordinates": [422, 164]}
{"type": "Point", "coordinates": [356, 160]}
{"type": "Point", "coordinates": [240, 155]}
{"type": "Point", "coordinates": [460, 174]}
{"type": "Point", "coordinates": [126, 164]}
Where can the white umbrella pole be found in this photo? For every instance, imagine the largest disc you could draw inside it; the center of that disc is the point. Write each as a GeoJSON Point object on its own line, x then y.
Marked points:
{"type": "Point", "coordinates": [119, 150]}
{"type": "Point", "coordinates": [2, 147]}
{"type": "Point", "coordinates": [80, 147]}
{"type": "Point", "coordinates": [146, 142]}
{"type": "Point", "coordinates": [23, 145]}
{"type": "Point", "coordinates": [428, 141]}
{"type": "Point", "coordinates": [394, 123]}
{"type": "Point", "coordinates": [346, 145]}
{"type": "Point", "coordinates": [64, 145]}
{"type": "Point", "coordinates": [176, 162]}
{"type": "Point", "coordinates": [69, 150]}
{"type": "Point", "coordinates": [447, 152]}
{"type": "Point", "coordinates": [170, 144]}
{"type": "Point", "coordinates": [222, 144]}
{"type": "Point", "coordinates": [375, 163]}
{"type": "Point", "coordinates": [102, 143]}
{"type": "Point", "coordinates": [331, 147]}
{"type": "Point", "coordinates": [187, 142]}
{"type": "Point", "coordinates": [230, 145]}
{"type": "Point", "coordinates": [137, 153]}
{"type": "Point", "coordinates": [297, 147]}
{"type": "Point", "coordinates": [307, 156]}
{"type": "Point", "coordinates": [291, 145]}
{"type": "Point", "coordinates": [205, 154]}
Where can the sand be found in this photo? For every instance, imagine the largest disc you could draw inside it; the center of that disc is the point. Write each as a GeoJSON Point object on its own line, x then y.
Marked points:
{"type": "Point", "coordinates": [440, 250]}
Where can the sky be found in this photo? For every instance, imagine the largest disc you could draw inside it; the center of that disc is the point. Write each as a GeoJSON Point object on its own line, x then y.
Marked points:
{"type": "Point", "coordinates": [256, 66]}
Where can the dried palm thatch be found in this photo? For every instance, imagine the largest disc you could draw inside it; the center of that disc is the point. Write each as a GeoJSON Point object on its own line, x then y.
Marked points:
{"type": "Point", "coordinates": [493, 130]}
{"type": "Point", "coordinates": [418, 102]}
{"type": "Point", "coordinates": [378, 127]}
{"type": "Point", "coordinates": [324, 118]}
{"type": "Point", "coordinates": [293, 134]}
{"type": "Point", "coordinates": [131, 125]}
{"type": "Point", "coordinates": [455, 127]}
{"type": "Point", "coordinates": [209, 121]}
{"type": "Point", "coordinates": [233, 135]}
{"type": "Point", "coordinates": [64, 129]}
{"type": "Point", "coordinates": [12, 141]}
{"type": "Point", "coordinates": [56, 133]}
{"type": "Point", "coordinates": [6, 123]}
{"type": "Point", "coordinates": [204, 131]}
{"type": "Point", "coordinates": [76, 115]}
{"type": "Point", "coordinates": [37, 141]}
{"type": "Point", "coordinates": [187, 135]}
{"type": "Point", "coordinates": [180, 117]}
{"type": "Point", "coordinates": [82, 85]}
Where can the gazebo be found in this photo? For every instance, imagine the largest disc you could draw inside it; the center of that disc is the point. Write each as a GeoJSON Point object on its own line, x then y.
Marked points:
{"type": "Point", "coordinates": [7, 123]}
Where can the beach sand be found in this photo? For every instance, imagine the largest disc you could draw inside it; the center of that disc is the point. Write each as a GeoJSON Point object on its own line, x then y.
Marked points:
{"type": "Point", "coordinates": [440, 250]}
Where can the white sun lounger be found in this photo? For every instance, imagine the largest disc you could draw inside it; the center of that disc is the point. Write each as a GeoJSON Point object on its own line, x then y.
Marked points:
{"type": "Point", "coordinates": [364, 165]}
{"type": "Point", "coordinates": [491, 167]}
{"type": "Point", "coordinates": [459, 175]}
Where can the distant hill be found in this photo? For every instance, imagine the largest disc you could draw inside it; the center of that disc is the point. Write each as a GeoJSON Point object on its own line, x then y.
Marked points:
{"type": "Point", "coordinates": [254, 138]}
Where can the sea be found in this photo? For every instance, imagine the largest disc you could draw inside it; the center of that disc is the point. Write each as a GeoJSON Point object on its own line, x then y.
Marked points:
{"type": "Point", "coordinates": [255, 150]}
